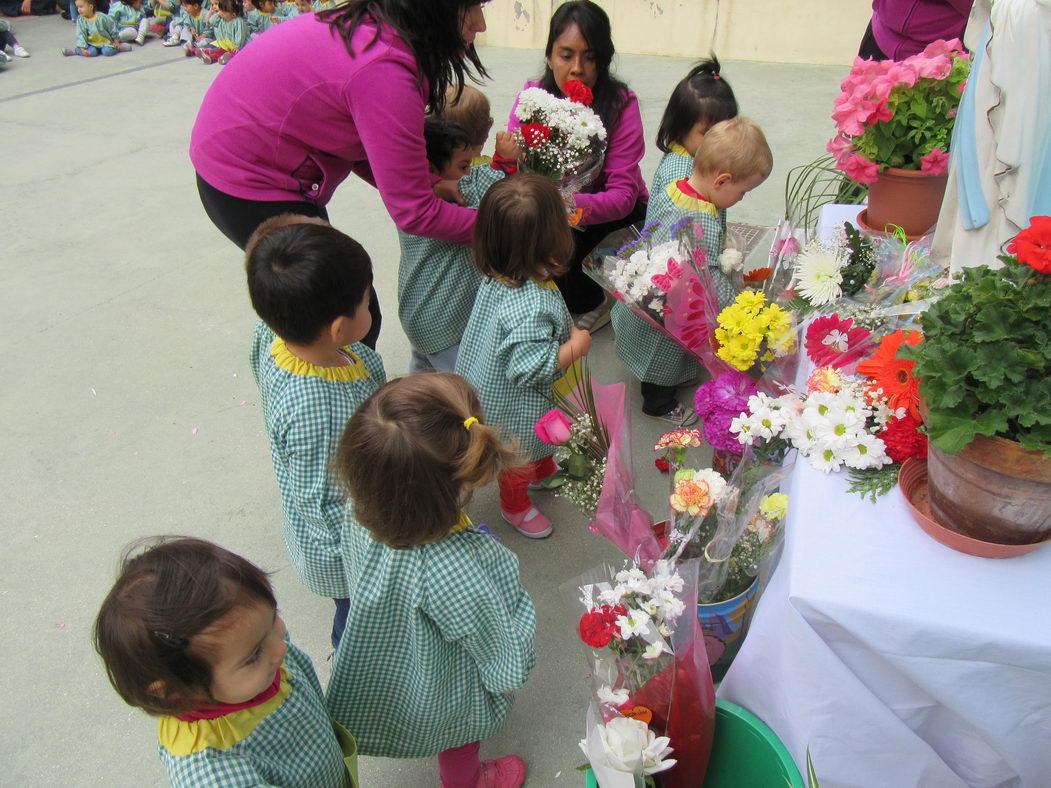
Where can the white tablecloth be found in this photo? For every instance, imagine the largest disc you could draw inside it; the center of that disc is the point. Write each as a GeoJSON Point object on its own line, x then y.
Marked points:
{"type": "Point", "coordinates": [897, 661]}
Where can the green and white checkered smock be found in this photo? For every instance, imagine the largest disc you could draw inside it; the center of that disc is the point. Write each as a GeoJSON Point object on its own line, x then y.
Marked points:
{"type": "Point", "coordinates": [437, 281]}
{"type": "Point", "coordinates": [305, 408]}
{"type": "Point", "coordinates": [509, 354]}
{"type": "Point", "coordinates": [651, 356]}
{"type": "Point", "coordinates": [292, 746]}
{"type": "Point", "coordinates": [435, 635]}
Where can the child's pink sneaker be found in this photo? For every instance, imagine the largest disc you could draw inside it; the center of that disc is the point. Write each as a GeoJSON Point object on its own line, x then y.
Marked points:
{"type": "Point", "coordinates": [506, 772]}
{"type": "Point", "coordinates": [531, 523]}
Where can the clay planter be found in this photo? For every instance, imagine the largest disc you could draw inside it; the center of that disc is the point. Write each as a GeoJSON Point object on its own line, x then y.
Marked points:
{"type": "Point", "coordinates": [908, 198]}
{"type": "Point", "coordinates": [993, 490]}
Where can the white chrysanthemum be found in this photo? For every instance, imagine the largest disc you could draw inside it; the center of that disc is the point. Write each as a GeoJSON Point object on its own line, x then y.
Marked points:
{"type": "Point", "coordinates": [868, 451]}
{"type": "Point", "coordinates": [839, 428]}
{"type": "Point", "coordinates": [742, 427]}
{"type": "Point", "coordinates": [731, 260]}
{"type": "Point", "coordinates": [767, 422]}
{"type": "Point", "coordinates": [824, 458]}
{"type": "Point", "coordinates": [817, 274]}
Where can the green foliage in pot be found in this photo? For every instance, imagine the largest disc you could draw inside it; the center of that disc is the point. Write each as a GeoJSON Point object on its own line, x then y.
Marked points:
{"type": "Point", "coordinates": [985, 358]}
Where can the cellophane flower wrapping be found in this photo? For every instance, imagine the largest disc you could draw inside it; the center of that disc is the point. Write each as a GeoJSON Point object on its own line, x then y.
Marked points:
{"type": "Point", "coordinates": [661, 273]}
{"type": "Point", "coordinates": [646, 657]}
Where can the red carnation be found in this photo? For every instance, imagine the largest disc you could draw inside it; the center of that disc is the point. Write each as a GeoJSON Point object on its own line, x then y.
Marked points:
{"type": "Point", "coordinates": [577, 91]}
{"type": "Point", "coordinates": [535, 134]}
{"type": "Point", "coordinates": [598, 626]}
{"type": "Point", "coordinates": [903, 439]}
{"type": "Point", "coordinates": [1033, 244]}
{"type": "Point", "coordinates": [662, 464]}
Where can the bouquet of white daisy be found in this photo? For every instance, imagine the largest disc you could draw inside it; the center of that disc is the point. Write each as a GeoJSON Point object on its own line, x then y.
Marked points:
{"type": "Point", "coordinates": [562, 139]}
{"type": "Point", "coordinates": [652, 693]}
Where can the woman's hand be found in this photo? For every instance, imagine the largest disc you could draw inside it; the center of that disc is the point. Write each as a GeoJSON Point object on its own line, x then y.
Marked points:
{"type": "Point", "coordinates": [449, 191]}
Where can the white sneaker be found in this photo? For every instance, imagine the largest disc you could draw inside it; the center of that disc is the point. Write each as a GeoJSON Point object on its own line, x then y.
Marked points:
{"type": "Point", "coordinates": [20, 51]}
{"type": "Point", "coordinates": [140, 39]}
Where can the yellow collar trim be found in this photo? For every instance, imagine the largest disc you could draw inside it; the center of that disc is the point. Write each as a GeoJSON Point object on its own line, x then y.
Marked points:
{"type": "Point", "coordinates": [547, 284]}
{"type": "Point", "coordinates": [284, 358]}
{"type": "Point", "coordinates": [677, 148]}
{"type": "Point", "coordinates": [462, 525]}
{"type": "Point", "coordinates": [683, 200]}
{"type": "Point", "coordinates": [478, 161]}
{"type": "Point", "coordinates": [185, 738]}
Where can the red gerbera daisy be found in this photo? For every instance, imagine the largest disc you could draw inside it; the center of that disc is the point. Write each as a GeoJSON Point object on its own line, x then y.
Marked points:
{"type": "Point", "coordinates": [894, 375]}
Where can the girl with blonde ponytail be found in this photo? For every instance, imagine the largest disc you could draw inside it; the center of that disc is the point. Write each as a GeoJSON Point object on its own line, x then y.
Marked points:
{"type": "Point", "coordinates": [440, 630]}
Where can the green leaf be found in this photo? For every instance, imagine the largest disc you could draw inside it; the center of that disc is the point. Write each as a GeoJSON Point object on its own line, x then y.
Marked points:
{"type": "Point", "coordinates": [811, 774]}
{"type": "Point", "coordinates": [578, 466]}
{"type": "Point", "coordinates": [951, 433]}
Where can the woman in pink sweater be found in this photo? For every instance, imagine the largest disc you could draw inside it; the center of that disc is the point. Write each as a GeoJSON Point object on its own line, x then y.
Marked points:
{"type": "Point", "coordinates": [580, 46]}
{"type": "Point", "coordinates": [327, 94]}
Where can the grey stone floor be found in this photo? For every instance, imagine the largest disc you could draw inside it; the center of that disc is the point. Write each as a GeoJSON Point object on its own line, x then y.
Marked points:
{"type": "Point", "coordinates": [128, 408]}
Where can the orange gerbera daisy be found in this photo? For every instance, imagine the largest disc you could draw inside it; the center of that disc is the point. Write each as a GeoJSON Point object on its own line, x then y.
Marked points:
{"type": "Point", "coordinates": [758, 275]}
{"type": "Point", "coordinates": [894, 375]}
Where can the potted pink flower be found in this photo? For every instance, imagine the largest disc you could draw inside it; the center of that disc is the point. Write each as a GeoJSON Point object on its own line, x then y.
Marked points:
{"type": "Point", "coordinates": [894, 122]}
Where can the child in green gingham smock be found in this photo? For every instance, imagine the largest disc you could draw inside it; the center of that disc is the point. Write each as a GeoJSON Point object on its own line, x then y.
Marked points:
{"type": "Point", "coordinates": [437, 284]}
{"type": "Point", "coordinates": [650, 355]}
{"type": "Point", "coordinates": [286, 741]}
{"type": "Point", "coordinates": [510, 355]}
{"type": "Point", "coordinates": [306, 408]}
{"type": "Point", "coordinates": [437, 635]}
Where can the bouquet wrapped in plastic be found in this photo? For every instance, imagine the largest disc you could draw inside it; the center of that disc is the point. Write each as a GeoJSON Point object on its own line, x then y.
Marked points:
{"type": "Point", "coordinates": [652, 694]}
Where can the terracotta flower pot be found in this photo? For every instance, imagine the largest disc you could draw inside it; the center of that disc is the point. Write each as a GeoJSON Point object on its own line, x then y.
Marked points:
{"type": "Point", "coordinates": [993, 490]}
{"type": "Point", "coordinates": [908, 198]}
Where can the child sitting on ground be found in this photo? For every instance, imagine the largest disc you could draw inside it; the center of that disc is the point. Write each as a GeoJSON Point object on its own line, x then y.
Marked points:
{"type": "Point", "coordinates": [437, 281]}
{"type": "Point", "coordinates": [702, 99]}
{"type": "Point", "coordinates": [520, 334]}
{"type": "Point", "coordinates": [8, 42]}
{"type": "Point", "coordinates": [229, 34]}
{"type": "Point", "coordinates": [190, 28]}
{"type": "Point", "coordinates": [309, 284]}
{"type": "Point", "coordinates": [442, 627]}
{"type": "Point", "coordinates": [132, 19]}
{"type": "Point", "coordinates": [261, 18]}
{"type": "Point", "coordinates": [96, 33]}
{"type": "Point", "coordinates": [190, 634]}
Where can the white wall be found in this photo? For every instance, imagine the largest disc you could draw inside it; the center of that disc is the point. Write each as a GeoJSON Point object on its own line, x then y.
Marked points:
{"type": "Point", "coordinates": [781, 31]}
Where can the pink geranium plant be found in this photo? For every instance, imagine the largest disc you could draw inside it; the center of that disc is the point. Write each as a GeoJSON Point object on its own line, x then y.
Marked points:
{"type": "Point", "coordinates": [899, 113]}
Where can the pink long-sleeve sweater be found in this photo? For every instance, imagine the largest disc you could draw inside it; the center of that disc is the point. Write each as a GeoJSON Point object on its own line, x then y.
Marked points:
{"type": "Point", "coordinates": [619, 186]}
{"type": "Point", "coordinates": [294, 114]}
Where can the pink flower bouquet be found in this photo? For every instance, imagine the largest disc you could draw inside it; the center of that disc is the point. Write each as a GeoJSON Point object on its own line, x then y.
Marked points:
{"type": "Point", "coordinates": [899, 113]}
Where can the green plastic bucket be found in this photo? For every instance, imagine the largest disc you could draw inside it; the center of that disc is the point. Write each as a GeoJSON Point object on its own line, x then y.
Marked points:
{"type": "Point", "coordinates": [745, 754]}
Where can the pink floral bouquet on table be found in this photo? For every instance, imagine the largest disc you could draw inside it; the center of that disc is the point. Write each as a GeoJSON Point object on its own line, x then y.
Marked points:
{"type": "Point", "coordinates": [899, 113]}
{"type": "Point", "coordinates": [653, 703]}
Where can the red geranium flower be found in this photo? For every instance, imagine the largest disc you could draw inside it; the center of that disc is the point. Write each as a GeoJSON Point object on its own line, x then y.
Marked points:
{"type": "Point", "coordinates": [1033, 244]}
{"type": "Point", "coordinates": [903, 439]}
{"type": "Point", "coordinates": [598, 626]}
{"type": "Point", "coordinates": [894, 375]}
{"type": "Point", "coordinates": [758, 275]}
{"type": "Point", "coordinates": [832, 341]}
{"type": "Point", "coordinates": [577, 91]}
{"type": "Point", "coordinates": [535, 134]}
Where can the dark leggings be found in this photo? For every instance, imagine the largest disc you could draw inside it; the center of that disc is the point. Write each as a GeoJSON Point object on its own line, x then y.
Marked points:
{"type": "Point", "coordinates": [237, 219]}
{"type": "Point", "coordinates": [869, 48]}
{"type": "Point", "coordinates": [7, 39]}
{"type": "Point", "coordinates": [580, 292]}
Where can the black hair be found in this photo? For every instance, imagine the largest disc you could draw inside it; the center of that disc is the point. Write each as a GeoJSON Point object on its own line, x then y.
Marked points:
{"type": "Point", "coordinates": [169, 590]}
{"type": "Point", "coordinates": [610, 93]}
{"type": "Point", "coordinates": [431, 28]}
{"type": "Point", "coordinates": [231, 7]}
{"type": "Point", "coordinates": [702, 95]}
{"type": "Point", "coordinates": [303, 274]}
{"type": "Point", "coordinates": [442, 138]}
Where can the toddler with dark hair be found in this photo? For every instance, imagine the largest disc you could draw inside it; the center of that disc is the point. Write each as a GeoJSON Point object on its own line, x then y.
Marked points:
{"type": "Point", "coordinates": [227, 34]}
{"type": "Point", "coordinates": [310, 285]}
{"type": "Point", "coordinates": [190, 634]}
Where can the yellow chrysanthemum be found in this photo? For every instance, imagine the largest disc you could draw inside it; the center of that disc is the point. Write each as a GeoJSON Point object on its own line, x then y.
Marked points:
{"type": "Point", "coordinates": [774, 507]}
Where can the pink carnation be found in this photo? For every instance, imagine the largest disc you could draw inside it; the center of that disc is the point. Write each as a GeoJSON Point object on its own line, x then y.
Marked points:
{"type": "Point", "coordinates": [934, 163]}
{"type": "Point", "coordinates": [860, 169]}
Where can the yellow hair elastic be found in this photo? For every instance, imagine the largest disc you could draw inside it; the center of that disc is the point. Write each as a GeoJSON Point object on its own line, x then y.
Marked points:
{"type": "Point", "coordinates": [469, 422]}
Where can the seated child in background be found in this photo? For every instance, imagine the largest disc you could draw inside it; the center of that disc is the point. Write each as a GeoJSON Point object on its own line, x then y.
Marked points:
{"type": "Point", "coordinates": [437, 281]}
{"type": "Point", "coordinates": [9, 42]}
{"type": "Point", "coordinates": [520, 334]}
{"type": "Point", "coordinates": [96, 33]}
{"type": "Point", "coordinates": [190, 28]}
{"type": "Point", "coordinates": [261, 18]}
{"type": "Point", "coordinates": [322, 5]}
{"type": "Point", "coordinates": [442, 627]}
{"type": "Point", "coordinates": [702, 99]}
{"type": "Point", "coordinates": [309, 284]}
{"type": "Point", "coordinates": [229, 33]}
{"type": "Point", "coordinates": [293, 8]}
{"type": "Point", "coordinates": [190, 634]}
{"type": "Point", "coordinates": [133, 20]}
{"type": "Point", "coordinates": [164, 13]}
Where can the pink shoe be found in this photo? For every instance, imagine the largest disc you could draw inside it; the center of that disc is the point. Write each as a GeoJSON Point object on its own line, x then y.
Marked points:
{"type": "Point", "coordinates": [531, 523]}
{"type": "Point", "coordinates": [506, 772]}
